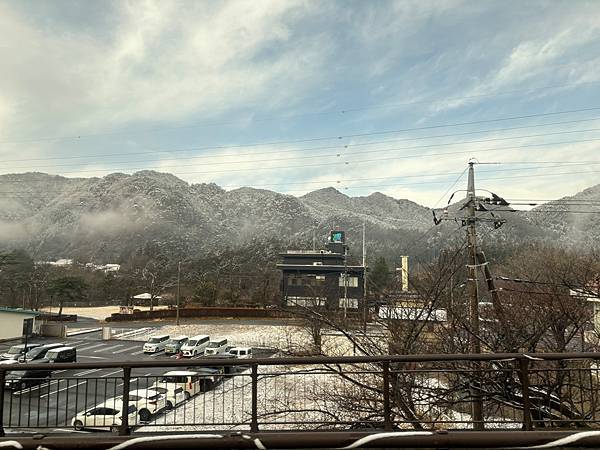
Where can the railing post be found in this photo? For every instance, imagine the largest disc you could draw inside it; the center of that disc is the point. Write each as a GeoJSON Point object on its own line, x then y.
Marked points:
{"type": "Point", "coordinates": [387, 412]}
{"type": "Point", "coordinates": [254, 376]}
{"type": "Point", "coordinates": [124, 429]}
{"type": "Point", "coordinates": [524, 376]}
{"type": "Point", "coordinates": [2, 388]}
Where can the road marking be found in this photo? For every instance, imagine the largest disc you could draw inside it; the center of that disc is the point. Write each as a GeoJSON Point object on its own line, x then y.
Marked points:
{"type": "Point", "coordinates": [59, 371]}
{"type": "Point", "coordinates": [91, 347]}
{"type": "Point", "coordinates": [161, 353]}
{"type": "Point", "coordinates": [87, 372]}
{"type": "Point", "coordinates": [35, 388]}
{"type": "Point", "coordinates": [138, 353]}
{"type": "Point", "coordinates": [123, 350]}
{"type": "Point", "coordinates": [111, 373]}
{"type": "Point", "coordinates": [74, 342]}
{"type": "Point", "coordinates": [63, 389]}
{"type": "Point", "coordinates": [91, 357]}
{"type": "Point", "coordinates": [108, 348]}
{"type": "Point", "coordinates": [71, 430]}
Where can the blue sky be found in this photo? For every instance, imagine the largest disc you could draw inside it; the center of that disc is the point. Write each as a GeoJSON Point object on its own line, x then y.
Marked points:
{"type": "Point", "coordinates": [192, 88]}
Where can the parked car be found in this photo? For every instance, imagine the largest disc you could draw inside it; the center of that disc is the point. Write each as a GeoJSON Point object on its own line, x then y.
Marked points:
{"type": "Point", "coordinates": [215, 347]}
{"type": "Point", "coordinates": [241, 352]}
{"type": "Point", "coordinates": [22, 379]}
{"type": "Point", "coordinates": [174, 344]}
{"type": "Point", "coordinates": [60, 355]}
{"type": "Point", "coordinates": [106, 415]}
{"type": "Point", "coordinates": [173, 393]}
{"type": "Point", "coordinates": [195, 345]}
{"type": "Point", "coordinates": [148, 402]}
{"type": "Point", "coordinates": [208, 377]}
{"type": "Point", "coordinates": [39, 353]}
{"type": "Point", "coordinates": [186, 379]}
{"type": "Point", "coordinates": [156, 343]}
{"type": "Point", "coordinates": [16, 351]}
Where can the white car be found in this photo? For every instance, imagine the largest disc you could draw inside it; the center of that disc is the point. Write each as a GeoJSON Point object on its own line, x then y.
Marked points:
{"type": "Point", "coordinates": [185, 379]}
{"type": "Point", "coordinates": [106, 415]}
{"type": "Point", "coordinates": [195, 346]}
{"type": "Point", "coordinates": [148, 402]}
{"type": "Point", "coordinates": [241, 352]}
{"type": "Point", "coordinates": [216, 347]}
{"type": "Point", "coordinates": [173, 393]}
{"type": "Point", "coordinates": [156, 343]}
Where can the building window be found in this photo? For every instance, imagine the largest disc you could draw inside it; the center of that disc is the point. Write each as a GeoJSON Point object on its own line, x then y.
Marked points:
{"type": "Point", "coordinates": [305, 301]}
{"type": "Point", "coordinates": [349, 303]}
{"type": "Point", "coordinates": [352, 281]}
{"type": "Point", "coordinates": [306, 280]}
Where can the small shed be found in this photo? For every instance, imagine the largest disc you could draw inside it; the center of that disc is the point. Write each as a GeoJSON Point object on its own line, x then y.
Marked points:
{"type": "Point", "coordinates": [15, 322]}
{"type": "Point", "coordinates": [147, 297]}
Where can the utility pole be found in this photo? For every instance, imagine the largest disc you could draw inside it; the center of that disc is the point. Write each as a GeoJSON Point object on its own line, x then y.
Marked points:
{"type": "Point", "coordinates": [178, 291]}
{"type": "Point", "coordinates": [475, 346]}
{"type": "Point", "coordinates": [475, 260]}
{"type": "Point", "coordinates": [365, 285]}
{"type": "Point", "coordinates": [345, 281]}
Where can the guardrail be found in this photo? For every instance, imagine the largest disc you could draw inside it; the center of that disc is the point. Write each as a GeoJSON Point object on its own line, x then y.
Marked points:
{"type": "Point", "coordinates": [392, 393]}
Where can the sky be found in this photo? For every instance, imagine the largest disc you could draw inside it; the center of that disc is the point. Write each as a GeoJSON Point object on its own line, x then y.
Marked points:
{"type": "Point", "coordinates": [293, 96]}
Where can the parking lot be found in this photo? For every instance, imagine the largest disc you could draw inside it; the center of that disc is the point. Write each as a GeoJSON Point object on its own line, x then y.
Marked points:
{"type": "Point", "coordinates": [54, 403]}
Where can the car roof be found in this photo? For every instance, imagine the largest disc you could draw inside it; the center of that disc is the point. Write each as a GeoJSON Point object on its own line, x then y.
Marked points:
{"type": "Point", "coordinates": [178, 338]}
{"type": "Point", "coordinates": [23, 345]}
{"type": "Point", "coordinates": [180, 373]}
{"type": "Point", "coordinates": [59, 349]}
{"type": "Point", "coordinates": [54, 345]}
{"type": "Point", "coordinates": [143, 392]}
{"type": "Point", "coordinates": [218, 339]}
{"type": "Point", "coordinates": [199, 336]}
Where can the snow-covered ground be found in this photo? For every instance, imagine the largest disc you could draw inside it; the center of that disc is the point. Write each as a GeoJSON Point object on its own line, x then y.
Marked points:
{"type": "Point", "coordinates": [303, 398]}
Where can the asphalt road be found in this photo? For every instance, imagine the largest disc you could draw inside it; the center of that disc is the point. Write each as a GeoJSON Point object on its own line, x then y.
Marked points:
{"type": "Point", "coordinates": [52, 405]}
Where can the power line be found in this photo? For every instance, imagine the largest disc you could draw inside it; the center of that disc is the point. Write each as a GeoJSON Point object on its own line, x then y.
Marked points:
{"type": "Point", "coordinates": [331, 155]}
{"type": "Point", "coordinates": [340, 162]}
{"type": "Point", "coordinates": [388, 185]}
{"type": "Point", "coordinates": [329, 147]}
{"type": "Point", "coordinates": [278, 117]}
{"type": "Point", "coordinates": [352, 180]}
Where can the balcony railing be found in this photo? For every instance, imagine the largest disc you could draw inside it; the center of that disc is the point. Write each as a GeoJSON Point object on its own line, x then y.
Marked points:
{"type": "Point", "coordinates": [426, 394]}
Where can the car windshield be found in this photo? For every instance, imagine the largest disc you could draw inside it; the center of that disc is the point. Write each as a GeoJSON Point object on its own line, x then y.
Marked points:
{"type": "Point", "coordinates": [15, 350]}
{"type": "Point", "coordinates": [170, 379]}
{"type": "Point", "coordinates": [192, 343]}
{"type": "Point", "coordinates": [51, 355]}
{"type": "Point", "coordinates": [214, 344]}
{"type": "Point", "coordinates": [173, 341]}
{"type": "Point", "coordinates": [35, 352]}
{"type": "Point", "coordinates": [160, 390]}
{"type": "Point", "coordinates": [154, 340]}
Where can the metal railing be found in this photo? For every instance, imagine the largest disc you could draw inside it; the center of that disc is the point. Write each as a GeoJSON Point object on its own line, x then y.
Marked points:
{"type": "Point", "coordinates": [393, 393]}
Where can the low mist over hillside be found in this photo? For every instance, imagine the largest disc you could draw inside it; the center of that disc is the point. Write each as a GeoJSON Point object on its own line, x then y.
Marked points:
{"type": "Point", "coordinates": [108, 219]}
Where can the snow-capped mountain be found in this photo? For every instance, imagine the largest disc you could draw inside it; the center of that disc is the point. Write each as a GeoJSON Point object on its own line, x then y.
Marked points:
{"type": "Point", "coordinates": [107, 219]}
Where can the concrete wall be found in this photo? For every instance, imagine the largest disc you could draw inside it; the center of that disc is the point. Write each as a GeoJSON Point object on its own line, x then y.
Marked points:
{"type": "Point", "coordinates": [11, 324]}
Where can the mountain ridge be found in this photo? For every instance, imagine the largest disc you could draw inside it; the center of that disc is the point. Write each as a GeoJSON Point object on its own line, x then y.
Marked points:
{"type": "Point", "coordinates": [109, 218]}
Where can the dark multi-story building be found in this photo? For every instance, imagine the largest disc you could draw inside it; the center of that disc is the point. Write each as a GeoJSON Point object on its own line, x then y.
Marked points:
{"type": "Point", "coordinates": [322, 278]}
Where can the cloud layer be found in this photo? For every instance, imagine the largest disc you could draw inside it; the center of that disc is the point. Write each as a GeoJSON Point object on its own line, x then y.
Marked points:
{"type": "Point", "coordinates": [185, 87]}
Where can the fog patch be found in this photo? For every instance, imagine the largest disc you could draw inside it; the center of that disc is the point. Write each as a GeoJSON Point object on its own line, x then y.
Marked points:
{"type": "Point", "coordinates": [13, 232]}
{"type": "Point", "coordinates": [108, 223]}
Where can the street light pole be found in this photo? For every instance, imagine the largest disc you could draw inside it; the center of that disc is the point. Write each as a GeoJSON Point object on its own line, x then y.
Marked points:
{"type": "Point", "coordinates": [178, 290]}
